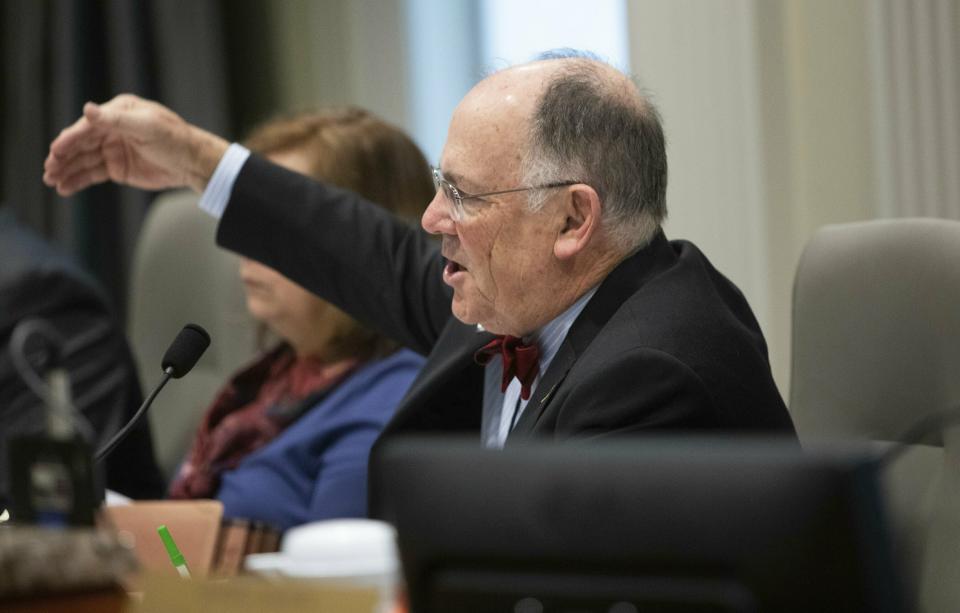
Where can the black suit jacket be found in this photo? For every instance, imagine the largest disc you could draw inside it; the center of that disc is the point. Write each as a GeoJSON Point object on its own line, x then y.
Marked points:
{"type": "Point", "coordinates": [37, 280]}
{"type": "Point", "coordinates": [667, 342]}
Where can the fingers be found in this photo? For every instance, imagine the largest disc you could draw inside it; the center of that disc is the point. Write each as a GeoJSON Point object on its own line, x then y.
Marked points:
{"type": "Point", "coordinates": [79, 136]}
{"type": "Point", "coordinates": [82, 179]}
{"type": "Point", "coordinates": [56, 169]}
{"type": "Point", "coordinates": [86, 168]}
{"type": "Point", "coordinates": [87, 133]}
{"type": "Point", "coordinates": [77, 160]}
{"type": "Point", "coordinates": [76, 148]}
{"type": "Point", "coordinates": [72, 160]}
{"type": "Point", "coordinates": [79, 147]}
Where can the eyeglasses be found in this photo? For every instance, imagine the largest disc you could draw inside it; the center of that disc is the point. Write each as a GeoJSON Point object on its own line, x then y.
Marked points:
{"type": "Point", "coordinates": [456, 196]}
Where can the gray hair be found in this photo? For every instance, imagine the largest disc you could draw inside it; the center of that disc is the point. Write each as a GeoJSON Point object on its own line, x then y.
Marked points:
{"type": "Point", "coordinates": [590, 129]}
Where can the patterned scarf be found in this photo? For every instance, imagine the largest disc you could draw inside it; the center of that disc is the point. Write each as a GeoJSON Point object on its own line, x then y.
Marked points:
{"type": "Point", "coordinates": [251, 410]}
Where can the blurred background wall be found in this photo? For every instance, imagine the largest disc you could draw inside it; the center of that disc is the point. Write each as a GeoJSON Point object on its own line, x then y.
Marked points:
{"type": "Point", "coordinates": [781, 115]}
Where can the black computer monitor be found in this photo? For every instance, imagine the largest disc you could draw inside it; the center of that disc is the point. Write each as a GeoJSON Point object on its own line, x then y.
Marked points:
{"type": "Point", "coordinates": [641, 525]}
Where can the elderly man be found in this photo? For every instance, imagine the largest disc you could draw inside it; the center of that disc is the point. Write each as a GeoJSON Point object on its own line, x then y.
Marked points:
{"type": "Point", "coordinates": [573, 316]}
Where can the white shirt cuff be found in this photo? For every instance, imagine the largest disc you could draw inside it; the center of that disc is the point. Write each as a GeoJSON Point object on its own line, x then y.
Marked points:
{"type": "Point", "coordinates": [215, 198]}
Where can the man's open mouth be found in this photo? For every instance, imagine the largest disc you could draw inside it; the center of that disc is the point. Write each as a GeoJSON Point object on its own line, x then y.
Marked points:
{"type": "Point", "coordinates": [454, 267]}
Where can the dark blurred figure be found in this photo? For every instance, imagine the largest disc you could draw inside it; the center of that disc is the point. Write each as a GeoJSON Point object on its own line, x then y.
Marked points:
{"type": "Point", "coordinates": [39, 281]}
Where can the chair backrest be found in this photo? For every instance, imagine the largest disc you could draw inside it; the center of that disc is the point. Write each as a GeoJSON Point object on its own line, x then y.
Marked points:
{"type": "Point", "coordinates": [179, 275]}
{"type": "Point", "coordinates": [876, 328]}
{"type": "Point", "coordinates": [876, 349]}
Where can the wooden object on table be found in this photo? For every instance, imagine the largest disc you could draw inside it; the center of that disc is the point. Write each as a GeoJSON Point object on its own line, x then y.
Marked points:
{"type": "Point", "coordinates": [252, 594]}
{"type": "Point", "coordinates": [193, 524]}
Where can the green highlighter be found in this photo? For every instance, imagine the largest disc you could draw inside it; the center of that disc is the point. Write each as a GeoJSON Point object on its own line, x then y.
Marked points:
{"type": "Point", "coordinates": [173, 551]}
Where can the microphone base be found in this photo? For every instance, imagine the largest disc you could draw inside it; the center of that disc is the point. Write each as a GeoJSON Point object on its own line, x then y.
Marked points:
{"type": "Point", "coordinates": [53, 482]}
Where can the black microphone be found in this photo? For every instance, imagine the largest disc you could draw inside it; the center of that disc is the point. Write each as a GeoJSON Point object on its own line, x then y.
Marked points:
{"type": "Point", "coordinates": [181, 356]}
{"type": "Point", "coordinates": [186, 349]}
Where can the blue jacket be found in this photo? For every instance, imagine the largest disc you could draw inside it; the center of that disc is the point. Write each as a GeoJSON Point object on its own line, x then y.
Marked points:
{"type": "Point", "coordinates": [317, 467]}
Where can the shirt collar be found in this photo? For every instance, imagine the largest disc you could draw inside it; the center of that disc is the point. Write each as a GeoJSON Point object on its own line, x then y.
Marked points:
{"type": "Point", "coordinates": [551, 335]}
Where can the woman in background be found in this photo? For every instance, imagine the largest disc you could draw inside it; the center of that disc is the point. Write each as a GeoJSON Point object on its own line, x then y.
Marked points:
{"type": "Point", "coordinates": [286, 441]}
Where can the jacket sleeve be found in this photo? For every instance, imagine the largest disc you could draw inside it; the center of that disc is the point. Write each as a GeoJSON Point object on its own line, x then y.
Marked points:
{"type": "Point", "coordinates": [374, 266]}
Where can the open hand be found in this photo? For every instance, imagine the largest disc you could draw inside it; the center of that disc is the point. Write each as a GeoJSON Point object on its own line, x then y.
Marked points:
{"type": "Point", "coordinates": [134, 142]}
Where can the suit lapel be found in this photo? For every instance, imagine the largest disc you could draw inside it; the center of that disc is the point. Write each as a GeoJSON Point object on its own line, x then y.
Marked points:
{"type": "Point", "coordinates": [448, 393]}
{"type": "Point", "coordinates": [546, 388]}
{"type": "Point", "coordinates": [620, 284]}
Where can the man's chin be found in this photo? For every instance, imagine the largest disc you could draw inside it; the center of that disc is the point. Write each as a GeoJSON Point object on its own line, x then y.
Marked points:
{"type": "Point", "coordinates": [463, 315]}
{"type": "Point", "coordinates": [474, 314]}
{"type": "Point", "coordinates": [475, 321]}
{"type": "Point", "coordinates": [463, 312]}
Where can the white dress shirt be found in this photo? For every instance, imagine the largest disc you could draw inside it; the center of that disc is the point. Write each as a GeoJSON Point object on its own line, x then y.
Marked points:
{"type": "Point", "coordinates": [217, 194]}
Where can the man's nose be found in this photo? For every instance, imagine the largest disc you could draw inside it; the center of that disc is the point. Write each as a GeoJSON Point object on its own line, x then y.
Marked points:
{"type": "Point", "coordinates": [438, 218]}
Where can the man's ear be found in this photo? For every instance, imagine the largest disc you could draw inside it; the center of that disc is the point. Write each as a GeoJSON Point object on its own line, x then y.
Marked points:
{"type": "Point", "coordinates": [582, 221]}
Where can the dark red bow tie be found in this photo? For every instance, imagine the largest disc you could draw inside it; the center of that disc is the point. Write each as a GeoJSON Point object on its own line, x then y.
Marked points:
{"type": "Point", "coordinates": [519, 360]}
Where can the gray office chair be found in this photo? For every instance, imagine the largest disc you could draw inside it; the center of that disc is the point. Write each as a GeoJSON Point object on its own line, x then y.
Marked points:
{"type": "Point", "coordinates": [179, 275]}
{"type": "Point", "coordinates": [876, 349]}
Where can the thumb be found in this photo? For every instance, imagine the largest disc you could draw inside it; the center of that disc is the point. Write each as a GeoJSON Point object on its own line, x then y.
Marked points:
{"type": "Point", "coordinates": [92, 112]}
{"type": "Point", "coordinates": [117, 114]}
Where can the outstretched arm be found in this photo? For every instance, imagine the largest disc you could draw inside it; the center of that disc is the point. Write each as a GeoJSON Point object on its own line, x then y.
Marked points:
{"type": "Point", "coordinates": [134, 142]}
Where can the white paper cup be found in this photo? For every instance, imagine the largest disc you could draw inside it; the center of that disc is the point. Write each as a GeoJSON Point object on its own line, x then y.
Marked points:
{"type": "Point", "coordinates": [357, 552]}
